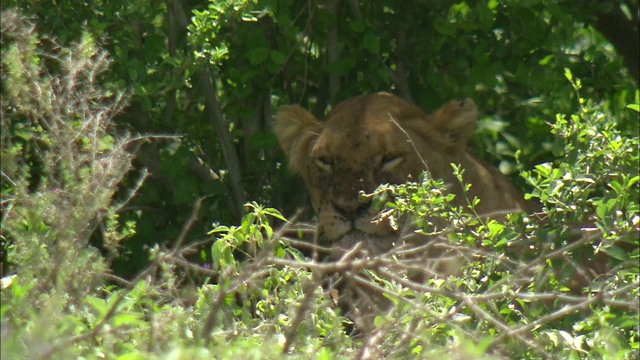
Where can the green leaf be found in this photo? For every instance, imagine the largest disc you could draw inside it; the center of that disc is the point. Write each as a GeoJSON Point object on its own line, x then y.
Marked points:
{"type": "Point", "coordinates": [616, 186]}
{"type": "Point", "coordinates": [567, 74]}
{"type": "Point", "coordinates": [545, 60]}
{"type": "Point", "coordinates": [443, 26]}
{"type": "Point", "coordinates": [219, 229]}
{"type": "Point", "coordinates": [221, 255]}
{"type": "Point", "coordinates": [258, 55]}
{"type": "Point", "coordinates": [268, 230]}
{"type": "Point", "coordinates": [616, 252]}
{"type": "Point", "coordinates": [277, 57]}
{"type": "Point", "coordinates": [357, 25]}
{"type": "Point", "coordinates": [601, 210]}
{"type": "Point", "coordinates": [634, 107]}
{"type": "Point", "coordinates": [275, 213]}
{"type": "Point", "coordinates": [100, 305]}
{"type": "Point", "coordinates": [128, 319]}
{"type": "Point", "coordinates": [154, 47]}
{"type": "Point", "coordinates": [131, 356]}
{"type": "Point", "coordinates": [544, 169]}
{"type": "Point", "coordinates": [371, 42]}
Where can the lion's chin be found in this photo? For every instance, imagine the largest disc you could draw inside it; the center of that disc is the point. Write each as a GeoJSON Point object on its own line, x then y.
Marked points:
{"type": "Point", "coordinates": [369, 245]}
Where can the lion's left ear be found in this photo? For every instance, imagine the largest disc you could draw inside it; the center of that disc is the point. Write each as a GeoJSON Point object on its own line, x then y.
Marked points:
{"type": "Point", "coordinates": [455, 122]}
{"type": "Point", "coordinates": [296, 130]}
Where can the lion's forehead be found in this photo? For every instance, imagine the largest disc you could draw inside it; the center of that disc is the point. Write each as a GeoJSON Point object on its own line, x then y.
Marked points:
{"type": "Point", "coordinates": [368, 122]}
{"type": "Point", "coordinates": [357, 132]}
{"type": "Point", "coordinates": [355, 144]}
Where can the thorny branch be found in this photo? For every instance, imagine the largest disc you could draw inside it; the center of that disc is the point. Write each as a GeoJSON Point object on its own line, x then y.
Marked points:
{"type": "Point", "coordinates": [355, 265]}
{"type": "Point", "coordinates": [394, 266]}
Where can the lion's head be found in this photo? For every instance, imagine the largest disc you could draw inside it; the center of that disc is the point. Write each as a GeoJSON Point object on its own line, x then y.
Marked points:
{"type": "Point", "coordinates": [374, 139]}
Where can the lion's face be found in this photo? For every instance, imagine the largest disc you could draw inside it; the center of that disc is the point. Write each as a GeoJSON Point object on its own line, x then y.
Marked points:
{"type": "Point", "coordinates": [367, 141]}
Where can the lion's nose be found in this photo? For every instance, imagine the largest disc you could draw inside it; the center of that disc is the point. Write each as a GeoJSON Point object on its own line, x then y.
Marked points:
{"type": "Point", "coordinates": [351, 209]}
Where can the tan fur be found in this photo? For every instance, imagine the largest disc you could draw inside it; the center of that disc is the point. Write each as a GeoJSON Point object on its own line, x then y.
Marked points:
{"type": "Point", "coordinates": [373, 139]}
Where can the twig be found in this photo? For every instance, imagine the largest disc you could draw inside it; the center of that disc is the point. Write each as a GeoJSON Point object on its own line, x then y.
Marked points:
{"type": "Point", "coordinates": [409, 140]}
{"type": "Point", "coordinates": [188, 224]}
{"type": "Point", "coordinates": [505, 328]}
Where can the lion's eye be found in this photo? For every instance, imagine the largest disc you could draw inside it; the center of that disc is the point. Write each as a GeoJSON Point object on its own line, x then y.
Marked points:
{"type": "Point", "coordinates": [325, 163]}
{"type": "Point", "coordinates": [389, 162]}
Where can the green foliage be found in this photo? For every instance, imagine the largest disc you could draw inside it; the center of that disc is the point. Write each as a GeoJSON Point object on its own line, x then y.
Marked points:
{"type": "Point", "coordinates": [61, 166]}
{"type": "Point", "coordinates": [254, 55]}
{"type": "Point", "coordinates": [206, 69]}
{"type": "Point", "coordinates": [599, 185]}
{"type": "Point", "coordinates": [60, 163]}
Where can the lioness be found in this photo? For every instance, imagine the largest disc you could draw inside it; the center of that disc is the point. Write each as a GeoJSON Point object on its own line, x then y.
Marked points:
{"type": "Point", "coordinates": [374, 139]}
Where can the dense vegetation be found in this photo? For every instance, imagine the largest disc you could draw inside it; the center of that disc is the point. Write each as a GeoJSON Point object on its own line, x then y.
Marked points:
{"type": "Point", "coordinates": [142, 188]}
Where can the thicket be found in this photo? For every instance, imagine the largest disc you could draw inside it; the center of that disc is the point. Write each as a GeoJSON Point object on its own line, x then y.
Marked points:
{"type": "Point", "coordinates": [102, 261]}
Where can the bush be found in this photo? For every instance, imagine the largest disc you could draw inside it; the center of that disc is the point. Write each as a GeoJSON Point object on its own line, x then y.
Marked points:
{"type": "Point", "coordinates": [62, 162]}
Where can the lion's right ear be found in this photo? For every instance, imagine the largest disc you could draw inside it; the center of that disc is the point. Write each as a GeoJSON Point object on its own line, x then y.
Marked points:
{"type": "Point", "coordinates": [296, 130]}
{"type": "Point", "coordinates": [455, 121]}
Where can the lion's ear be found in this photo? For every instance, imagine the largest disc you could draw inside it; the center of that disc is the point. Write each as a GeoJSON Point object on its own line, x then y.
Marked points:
{"type": "Point", "coordinates": [296, 130]}
{"type": "Point", "coordinates": [455, 121]}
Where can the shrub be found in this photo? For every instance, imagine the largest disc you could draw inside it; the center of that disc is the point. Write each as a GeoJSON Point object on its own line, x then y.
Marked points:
{"type": "Point", "coordinates": [62, 162]}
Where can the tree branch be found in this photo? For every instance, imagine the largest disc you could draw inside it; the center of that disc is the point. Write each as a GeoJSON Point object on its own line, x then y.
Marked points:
{"type": "Point", "coordinates": [214, 112]}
